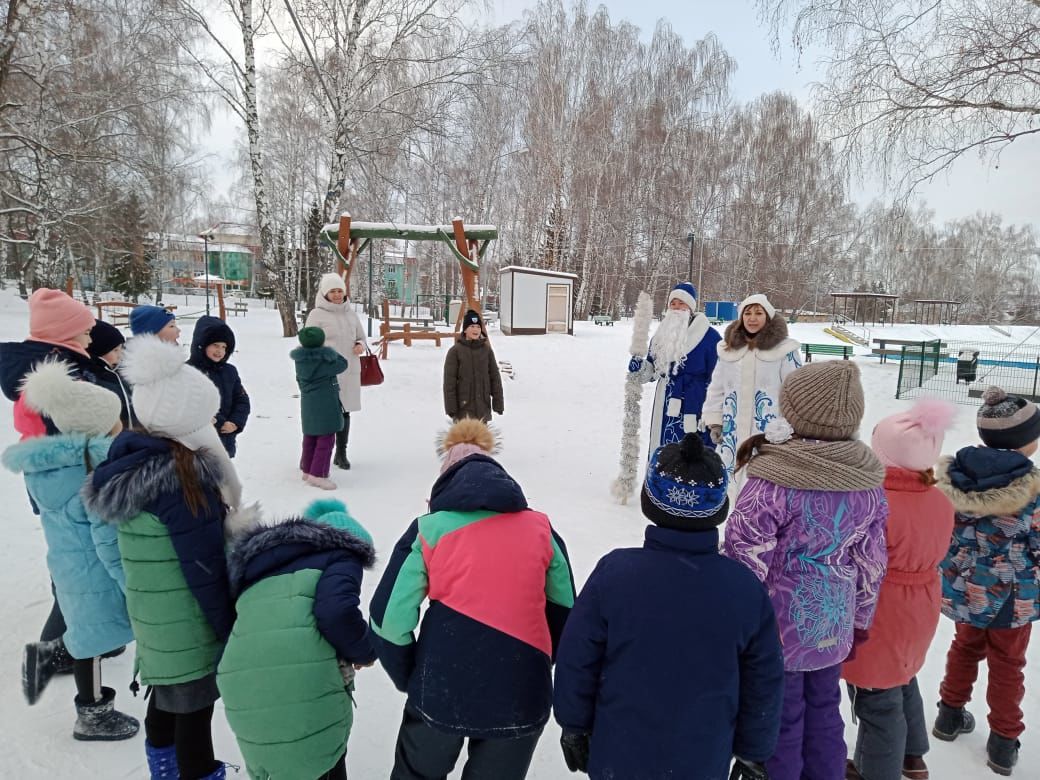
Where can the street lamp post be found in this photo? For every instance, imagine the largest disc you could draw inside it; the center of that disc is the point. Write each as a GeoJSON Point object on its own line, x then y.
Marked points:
{"type": "Point", "coordinates": [691, 237]}
{"type": "Point", "coordinates": [205, 265]}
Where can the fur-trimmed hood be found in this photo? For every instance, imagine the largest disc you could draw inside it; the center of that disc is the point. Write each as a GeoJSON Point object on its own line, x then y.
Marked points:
{"type": "Point", "coordinates": [47, 453]}
{"type": "Point", "coordinates": [1007, 481]}
{"type": "Point", "coordinates": [773, 335]}
{"type": "Point", "coordinates": [290, 539]}
{"type": "Point", "coordinates": [139, 470]}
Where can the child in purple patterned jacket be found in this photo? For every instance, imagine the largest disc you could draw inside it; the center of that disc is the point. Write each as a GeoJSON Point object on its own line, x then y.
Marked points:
{"type": "Point", "coordinates": [810, 522]}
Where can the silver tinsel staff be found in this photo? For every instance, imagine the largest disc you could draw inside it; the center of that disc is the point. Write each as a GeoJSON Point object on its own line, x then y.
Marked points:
{"type": "Point", "coordinates": [623, 487]}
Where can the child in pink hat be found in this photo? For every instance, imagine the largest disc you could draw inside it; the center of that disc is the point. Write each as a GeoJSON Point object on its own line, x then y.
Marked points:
{"type": "Point", "coordinates": [881, 672]}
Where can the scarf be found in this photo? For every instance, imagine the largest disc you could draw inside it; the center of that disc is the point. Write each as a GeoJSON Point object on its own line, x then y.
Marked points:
{"type": "Point", "coordinates": [835, 466]}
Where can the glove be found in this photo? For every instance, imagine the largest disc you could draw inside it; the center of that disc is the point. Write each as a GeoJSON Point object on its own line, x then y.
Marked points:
{"type": "Point", "coordinates": [575, 746]}
{"type": "Point", "coordinates": [715, 431]}
{"type": "Point", "coordinates": [635, 365]}
{"type": "Point", "coordinates": [748, 770]}
{"type": "Point", "coordinates": [859, 636]}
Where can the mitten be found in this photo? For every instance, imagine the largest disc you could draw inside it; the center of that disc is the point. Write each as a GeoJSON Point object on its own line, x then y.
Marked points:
{"type": "Point", "coordinates": [575, 746]}
{"type": "Point", "coordinates": [635, 365]}
{"type": "Point", "coordinates": [748, 770]}
{"type": "Point", "coordinates": [715, 431]}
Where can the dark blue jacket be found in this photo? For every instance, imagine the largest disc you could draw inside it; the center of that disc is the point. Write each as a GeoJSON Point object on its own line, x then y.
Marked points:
{"type": "Point", "coordinates": [234, 401]}
{"type": "Point", "coordinates": [139, 476]}
{"type": "Point", "coordinates": [110, 379]}
{"type": "Point", "coordinates": [671, 659]}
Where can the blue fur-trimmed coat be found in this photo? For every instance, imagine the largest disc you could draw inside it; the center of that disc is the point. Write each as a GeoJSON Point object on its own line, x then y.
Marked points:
{"type": "Point", "coordinates": [82, 551]}
{"type": "Point", "coordinates": [177, 588]}
{"type": "Point", "coordinates": [681, 390]}
{"type": "Point", "coordinates": [298, 586]}
{"type": "Point", "coordinates": [234, 400]}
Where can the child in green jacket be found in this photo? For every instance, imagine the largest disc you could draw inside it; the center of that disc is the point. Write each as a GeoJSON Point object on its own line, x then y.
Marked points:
{"type": "Point", "coordinates": [317, 369]}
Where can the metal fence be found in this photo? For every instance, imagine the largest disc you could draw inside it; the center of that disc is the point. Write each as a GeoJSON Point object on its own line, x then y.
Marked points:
{"type": "Point", "coordinates": [960, 371]}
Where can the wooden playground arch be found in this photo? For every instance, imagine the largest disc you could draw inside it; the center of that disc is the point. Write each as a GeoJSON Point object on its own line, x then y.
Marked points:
{"type": "Point", "coordinates": [348, 239]}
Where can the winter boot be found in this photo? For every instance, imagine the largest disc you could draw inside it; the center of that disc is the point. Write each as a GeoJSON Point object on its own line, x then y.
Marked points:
{"type": "Point", "coordinates": [321, 482]}
{"type": "Point", "coordinates": [40, 662]}
{"type": "Point", "coordinates": [339, 460]}
{"type": "Point", "coordinates": [952, 722]}
{"type": "Point", "coordinates": [100, 721]}
{"type": "Point", "coordinates": [162, 762]}
{"type": "Point", "coordinates": [914, 768]}
{"type": "Point", "coordinates": [1002, 754]}
{"type": "Point", "coordinates": [220, 773]}
{"type": "Point", "coordinates": [63, 663]}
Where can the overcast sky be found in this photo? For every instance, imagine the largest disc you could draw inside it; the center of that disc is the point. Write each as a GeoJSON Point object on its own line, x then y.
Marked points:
{"type": "Point", "coordinates": [1012, 189]}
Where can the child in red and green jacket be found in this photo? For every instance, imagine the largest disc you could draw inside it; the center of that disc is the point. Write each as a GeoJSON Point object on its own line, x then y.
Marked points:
{"type": "Point", "coordinates": [500, 589]}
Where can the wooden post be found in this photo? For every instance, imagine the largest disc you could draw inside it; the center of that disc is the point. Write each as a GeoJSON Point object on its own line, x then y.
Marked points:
{"type": "Point", "coordinates": [408, 334]}
{"type": "Point", "coordinates": [469, 277]}
{"type": "Point", "coordinates": [346, 248]}
{"type": "Point", "coordinates": [384, 343]}
{"type": "Point", "coordinates": [220, 301]}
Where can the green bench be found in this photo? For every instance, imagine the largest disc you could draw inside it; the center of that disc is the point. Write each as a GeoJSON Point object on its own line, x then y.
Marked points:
{"type": "Point", "coordinates": [602, 319]}
{"type": "Point", "coordinates": [845, 350]}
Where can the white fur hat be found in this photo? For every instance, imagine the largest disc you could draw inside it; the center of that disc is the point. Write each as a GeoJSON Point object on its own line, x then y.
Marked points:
{"type": "Point", "coordinates": [761, 300]}
{"type": "Point", "coordinates": [171, 398]}
{"type": "Point", "coordinates": [74, 406]}
{"type": "Point", "coordinates": [330, 282]}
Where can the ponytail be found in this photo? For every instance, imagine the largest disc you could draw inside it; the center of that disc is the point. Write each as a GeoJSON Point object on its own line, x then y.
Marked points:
{"type": "Point", "coordinates": [928, 476]}
{"type": "Point", "coordinates": [748, 449]}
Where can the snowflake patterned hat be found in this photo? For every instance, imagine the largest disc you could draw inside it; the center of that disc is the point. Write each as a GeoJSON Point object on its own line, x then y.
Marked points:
{"type": "Point", "coordinates": [685, 487]}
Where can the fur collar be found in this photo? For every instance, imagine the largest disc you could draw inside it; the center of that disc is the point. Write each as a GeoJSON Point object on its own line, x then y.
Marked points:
{"type": "Point", "coordinates": [47, 453]}
{"type": "Point", "coordinates": [773, 335]}
{"type": "Point", "coordinates": [1007, 500]}
{"type": "Point", "coordinates": [295, 530]}
{"type": "Point", "coordinates": [121, 488]}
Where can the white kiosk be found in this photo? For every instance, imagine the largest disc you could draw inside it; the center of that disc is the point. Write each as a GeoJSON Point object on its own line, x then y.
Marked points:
{"type": "Point", "coordinates": [535, 301]}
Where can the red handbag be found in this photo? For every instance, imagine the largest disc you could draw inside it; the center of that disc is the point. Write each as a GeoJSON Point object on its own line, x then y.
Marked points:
{"type": "Point", "coordinates": [371, 373]}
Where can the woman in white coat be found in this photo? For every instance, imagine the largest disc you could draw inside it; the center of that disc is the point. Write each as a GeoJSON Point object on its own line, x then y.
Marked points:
{"type": "Point", "coordinates": [343, 332]}
{"type": "Point", "coordinates": [755, 355]}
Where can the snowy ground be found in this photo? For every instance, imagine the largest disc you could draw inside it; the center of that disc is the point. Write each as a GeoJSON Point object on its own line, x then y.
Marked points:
{"type": "Point", "coordinates": [560, 433]}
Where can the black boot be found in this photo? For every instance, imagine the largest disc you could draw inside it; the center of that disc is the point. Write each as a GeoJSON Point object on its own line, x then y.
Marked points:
{"type": "Point", "coordinates": [1002, 754]}
{"type": "Point", "coordinates": [101, 721]}
{"type": "Point", "coordinates": [40, 662]}
{"type": "Point", "coordinates": [114, 653]}
{"type": "Point", "coordinates": [342, 437]}
{"type": "Point", "coordinates": [952, 722]}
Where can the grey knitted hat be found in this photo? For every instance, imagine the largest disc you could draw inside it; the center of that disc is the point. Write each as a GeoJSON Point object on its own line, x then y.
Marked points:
{"type": "Point", "coordinates": [824, 400]}
{"type": "Point", "coordinates": [1007, 421]}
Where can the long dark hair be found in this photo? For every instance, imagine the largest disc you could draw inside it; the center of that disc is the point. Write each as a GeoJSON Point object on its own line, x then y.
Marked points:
{"type": "Point", "coordinates": [748, 449]}
{"type": "Point", "coordinates": [188, 476]}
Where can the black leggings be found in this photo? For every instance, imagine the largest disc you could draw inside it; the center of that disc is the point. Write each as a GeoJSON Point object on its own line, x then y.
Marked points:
{"type": "Point", "coordinates": [87, 673]}
{"type": "Point", "coordinates": [190, 734]}
{"type": "Point", "coordinates": [54, 628]}
{"type": "Point", "coordinates": [338, 772]}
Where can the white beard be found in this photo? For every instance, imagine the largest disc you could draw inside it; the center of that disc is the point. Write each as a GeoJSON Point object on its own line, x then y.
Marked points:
{"type": "Point", "coordinates": [669, 342]}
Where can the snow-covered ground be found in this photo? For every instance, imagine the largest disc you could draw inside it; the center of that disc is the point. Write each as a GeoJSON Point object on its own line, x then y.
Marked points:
{"type": "Point", "coordinates": [561, 433]}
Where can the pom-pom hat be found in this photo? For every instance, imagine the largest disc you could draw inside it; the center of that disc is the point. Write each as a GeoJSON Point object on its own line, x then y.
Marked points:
{"type": "Point", "coordinates": [464, 438]}
{"type": "Point", "coordinates": [73, 406]}
{"type": "Point", "coordinates": [1006, 421]}
{"type": "Point", "coordinates": [171, 398]}
{"type": "Point", "coordinates": [333, 512]}
{"type": "Point", "coordinates": [913, 439]}
{"type": "Point", "coordinates": [685, 292]}
{"type": "Point", "coordinates": [685, 486]}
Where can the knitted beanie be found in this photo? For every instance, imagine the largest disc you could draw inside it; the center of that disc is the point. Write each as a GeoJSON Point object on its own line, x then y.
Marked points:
{"type": "Point", "coordinates": [331, 511]}
{"type": "Point", "coordinates": [685, 292]}
{"type": "Point", "coordinates": [464, 438]}
{"type": "Point", "coordinates": [311, 337]}
{"type": "Point", "coordinates": [104, 338]}
{"type": "Point", "coordinates": [470, 318]}
{"type": "Point", "coordinates": [760, 300]}
{"type": "Point", "coordinates": [1006, 421]}
{"type": "Point", "coordinates": [149, 319]}
{"type": "Point", "coordinates": [171, 398]}
{"type": "Point", "coordinates": [685, 486]}
{"type": "Point", "coordinates": [823, 400]}
{"type": "Point", "coordinates": [913, 439]}
{"type": "Point", "coordinates": [56, 318]}
{"type": "Point", "coordinates": [330, 282]}
{"type": "Point", "coordinates": [74, 406]}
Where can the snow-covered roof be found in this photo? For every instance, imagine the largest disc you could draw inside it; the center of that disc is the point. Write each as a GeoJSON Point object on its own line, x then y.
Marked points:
{"type": "Point", "coordinates": [535, 271]}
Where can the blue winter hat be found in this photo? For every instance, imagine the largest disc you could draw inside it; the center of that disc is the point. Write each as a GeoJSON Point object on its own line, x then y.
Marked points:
{"type": "Point", "coordinates": [149, 319]}
{"type": "Point", "coordinates": [685, 486]}
{"type": "Point", "coordinates": [685, 292]}
{"type": "Point", "coordinates": [333, 512]}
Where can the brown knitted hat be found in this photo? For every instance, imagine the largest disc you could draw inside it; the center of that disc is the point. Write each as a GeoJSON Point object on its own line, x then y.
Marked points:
{"type": "Point", "coordinates": [824, 400]}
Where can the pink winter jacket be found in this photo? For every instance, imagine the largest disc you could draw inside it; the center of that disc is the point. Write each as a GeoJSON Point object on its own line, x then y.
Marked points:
{"type": "Point", "coordinates": [920, 524]}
